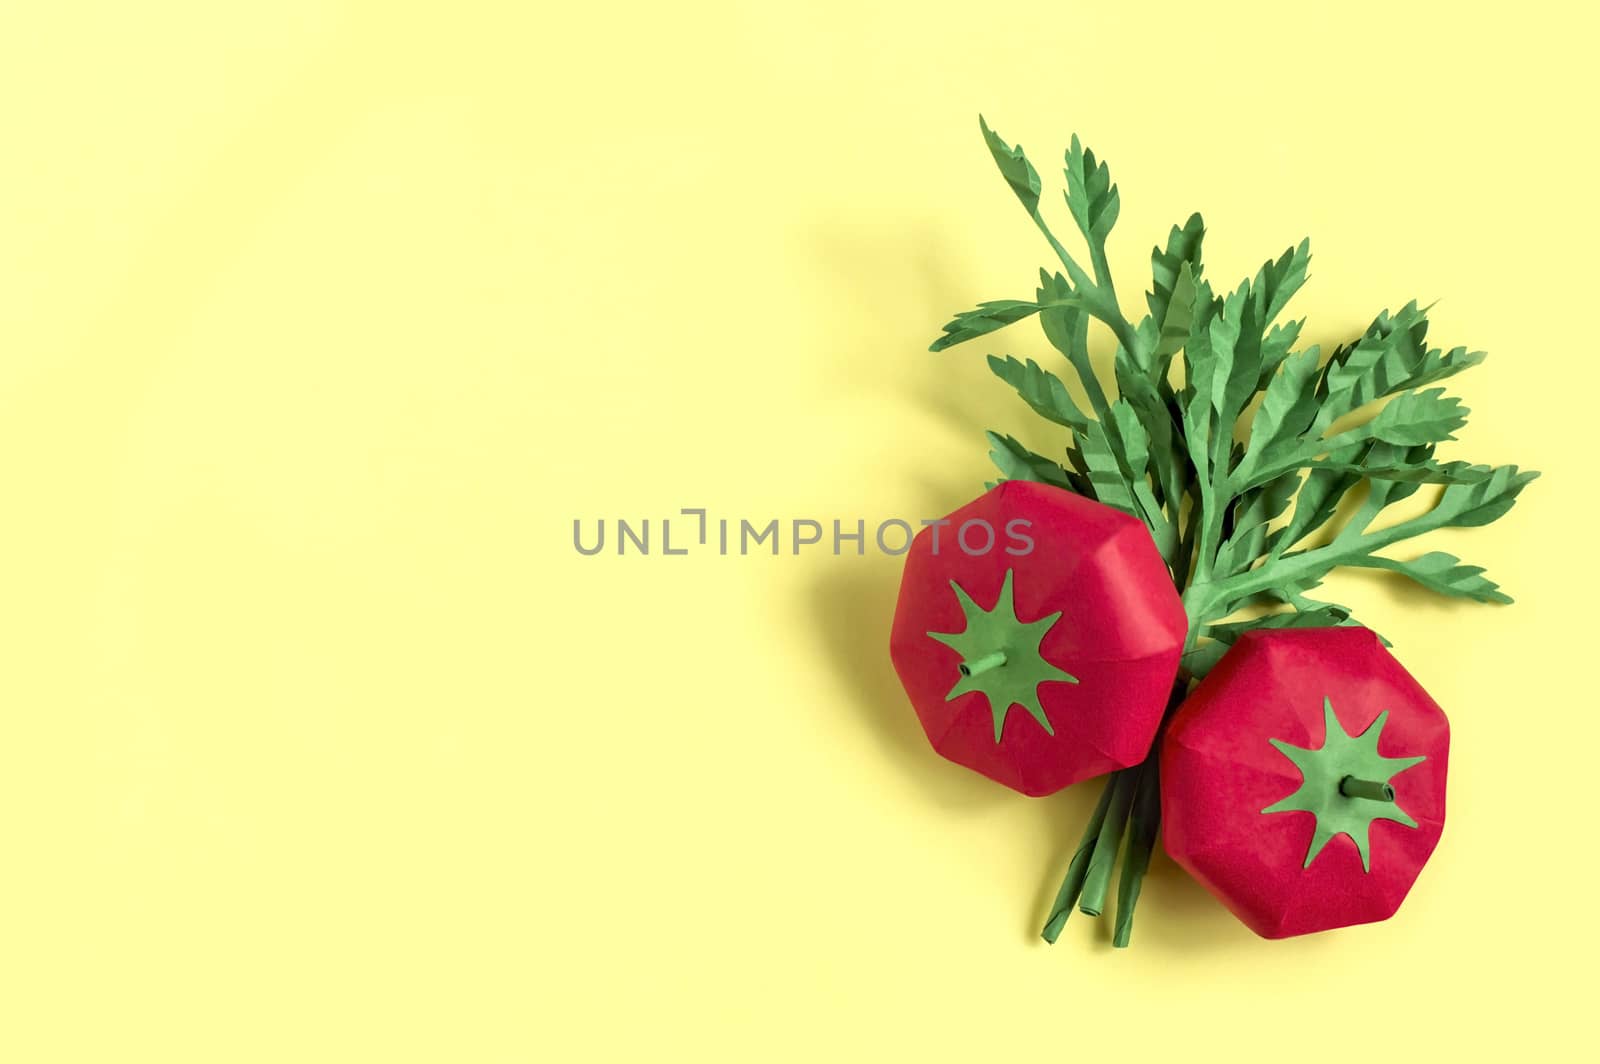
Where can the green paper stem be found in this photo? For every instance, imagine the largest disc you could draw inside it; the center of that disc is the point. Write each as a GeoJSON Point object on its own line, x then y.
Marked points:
{"type": "Point", "coordinates": [983, 664]}
{"type": "Point", "coordinates": [1351, 787]}
{"type": "Point", "coordinates": [1098, 879]}
{"type": "Point", "coordinates": [1143, 825]}
{"type": "Point", "coordinates": [1072, 885]}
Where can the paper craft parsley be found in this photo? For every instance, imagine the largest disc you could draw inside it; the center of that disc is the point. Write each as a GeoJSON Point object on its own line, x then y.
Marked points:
{"type": "Point", "coordinates": [1258, 464]}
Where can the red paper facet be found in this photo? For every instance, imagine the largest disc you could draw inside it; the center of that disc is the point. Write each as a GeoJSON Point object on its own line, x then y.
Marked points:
{"type": "Point", "coordinates": [1218, 772]}
{"type": "Point", "coordinates": [1120, 634]}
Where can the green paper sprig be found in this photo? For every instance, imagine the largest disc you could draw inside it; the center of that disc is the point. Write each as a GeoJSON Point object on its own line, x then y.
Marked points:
{"type": "Point", "coordinates": [1258, 465]}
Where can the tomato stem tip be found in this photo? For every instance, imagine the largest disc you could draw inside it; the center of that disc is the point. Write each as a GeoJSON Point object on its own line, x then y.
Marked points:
{"type": "Point", "coordinates": [1351, 787]}
{"type": "Point", "coordinates": [983, 664]}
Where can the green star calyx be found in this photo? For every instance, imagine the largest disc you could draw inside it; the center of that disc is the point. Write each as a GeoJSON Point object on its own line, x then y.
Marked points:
{"type": "Point", "coordinates": [1000, 656]}
{"type": "Point", "coordinates": [1345, 785]}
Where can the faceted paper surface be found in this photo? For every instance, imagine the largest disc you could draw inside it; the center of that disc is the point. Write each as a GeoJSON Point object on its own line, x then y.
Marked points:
{"type": "Point", "coordinates": [1119, 635]}
{"type": "Point", "coordinates": [1224, 765]}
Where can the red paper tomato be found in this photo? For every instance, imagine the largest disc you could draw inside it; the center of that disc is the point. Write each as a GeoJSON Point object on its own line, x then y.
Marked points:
{"type": "Point", "coordinates": [1303, 780]}
{"type": "Point", "coordinates": [1038, 635]}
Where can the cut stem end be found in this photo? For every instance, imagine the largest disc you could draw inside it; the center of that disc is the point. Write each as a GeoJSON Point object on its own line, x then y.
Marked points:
{"type": "Point", "coordinates": [1352, 787]}
{"type": "Point", "coordinates": [983, 664]}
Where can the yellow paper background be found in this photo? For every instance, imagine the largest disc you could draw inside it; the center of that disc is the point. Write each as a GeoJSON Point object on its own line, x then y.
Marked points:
{"type": "Point", "coordinates": [321, 323]}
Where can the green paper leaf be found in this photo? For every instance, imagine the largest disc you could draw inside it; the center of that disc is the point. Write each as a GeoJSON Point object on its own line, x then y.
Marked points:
{"type": "Point", "coordinates": [1105, 470]}
{"type": "Point", "coordinates": [1136, 444]}
{"type": "Point", "coordinates": [1424, 472]}
{"type": "Point", "coordinates": [1436, 366]}
{"type": "Point", "coordinates": [1420, 417]}
{"type": "Point", "coordinates": [1412, 419]}
{"type": "Point", "coordinates": [1458, 506]}
{"type": "Point", "coordinates": [1041, 390]}
{"type": "Point", "coordinates": [1386, 491]}
{"type": "Point", "coordinates": [1277, 281]}
{"type": "Point", "coordinates": [1149, 406]}
{"type": "Point", "coordinates": [1472, 504]}
{"type": "Point", "coordinates": [1065, 324]}
{"type": "Point", "coordinates": [1307, 613]}
{"type": "Point", "coordinates": [1016, 462]}
{"type": "Point", "coordinates": [1288, 407]}
{"type": "Point", "coordinates": [1173, 327]}
{"type": "Point", "coordinates": [1200, 365]}
{"type": "Point", "coordinates": [1014, 167]}
{"type": "Point", "coordinates": [1277, 347]}
{"type": "Point", "coordinates": [1135, 440]}
{"type": "Point", "coordinates": [970, 324]}
{"type": "Point", "coordinates": [1236, 348]}
{"type": "Point", "coordinates": [1319, 497]}
{"type": "Point", "coordinates": [1091, 197]}
{"type": "Point", "coordinates": [1392, 356]}
{"type": "Point", "coordinates": [1443, 573]}
{"type": "Point", "coordinates": [1182, 250]}
{"type": "Point", "coordinates": [1324, 616]}
{"type": "Point", "coordinates": [1258, 508]}
{"type": "Point", "coordinates": [1382, 361]}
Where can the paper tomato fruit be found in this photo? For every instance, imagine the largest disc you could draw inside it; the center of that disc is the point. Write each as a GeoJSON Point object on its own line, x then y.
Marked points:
{"type": "Point", "coordinates": [1303, 781]}
{"type": "Point", "coordinates": [1037, 634]}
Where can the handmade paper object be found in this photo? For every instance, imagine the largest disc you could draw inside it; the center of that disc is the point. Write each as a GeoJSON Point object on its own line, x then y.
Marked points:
{"type": "Point", "coordinates": [1047, 658]}
{"type": "Point", "coordinates": [1303, 781]}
